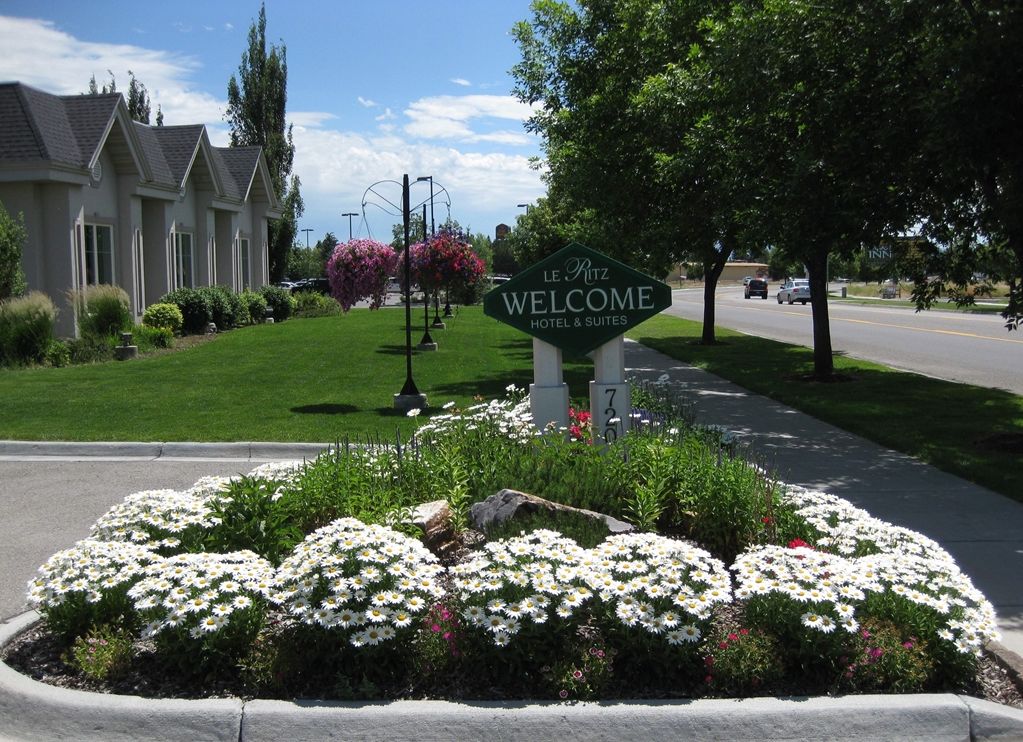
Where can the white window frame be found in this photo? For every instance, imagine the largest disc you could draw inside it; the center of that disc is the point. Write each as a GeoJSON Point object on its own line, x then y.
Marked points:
{"type": "Point", "coordinates": [181, 278]}
{"type": "Point", "coordinates": [92, 275]}
{"type": "Point", "coordinates": [138, 255]}
{"type": "Point", "coordinates": [245, 262]}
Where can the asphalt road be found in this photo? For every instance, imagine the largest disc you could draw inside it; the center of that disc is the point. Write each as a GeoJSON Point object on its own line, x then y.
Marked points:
{"type": "Point", "coordinates": [50, 503]}
{"type": "Point", "coordinates": [971, 348]}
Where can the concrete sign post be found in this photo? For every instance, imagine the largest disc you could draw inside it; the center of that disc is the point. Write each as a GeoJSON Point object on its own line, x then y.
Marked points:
{"type": "Point", "coordinates": [579, 301]}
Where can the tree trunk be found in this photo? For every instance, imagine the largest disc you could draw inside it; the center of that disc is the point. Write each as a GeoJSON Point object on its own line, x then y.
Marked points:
{"type": "Point", "coordinates": [711, 273]}
{"type": "Point", "coordinates": [823, 361]}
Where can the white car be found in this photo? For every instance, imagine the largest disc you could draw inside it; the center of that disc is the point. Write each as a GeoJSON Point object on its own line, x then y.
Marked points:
{"type": "Point", "coordinates": [795, 289]}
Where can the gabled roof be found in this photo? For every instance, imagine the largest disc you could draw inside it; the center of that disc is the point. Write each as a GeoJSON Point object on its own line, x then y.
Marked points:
{"type": "Point", "coordinates": [179, 145]}
{"type": "Point", "coordinates": [70, 131]}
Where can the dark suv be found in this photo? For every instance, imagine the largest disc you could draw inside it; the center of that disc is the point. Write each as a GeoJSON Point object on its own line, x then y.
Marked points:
{"type": "Point", "coordinates": [756, 287]}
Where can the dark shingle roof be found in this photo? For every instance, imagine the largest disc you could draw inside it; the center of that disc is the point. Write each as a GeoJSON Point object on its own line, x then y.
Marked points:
{"type": "Point", "coordinates": [240, 164]}
{"type": "Point", "coordinates": [34, 126]}
{"type": "Point", "coordinates": [69, 129]}
{"type": "Point", "coordinates": [89, 117]}
{"type": "Point", "coordinates": [178, 144]}
{"type": "Point", "coordinates": [151, 150]}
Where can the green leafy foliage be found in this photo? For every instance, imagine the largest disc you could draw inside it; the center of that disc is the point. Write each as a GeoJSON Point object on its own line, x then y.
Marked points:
{"type": "Point", "coordinates": [163, 315]}
{"type": "Point", "coordinates": [196, 311]}
{"type": "Point", "coordinates": [12, 240]}
{"type": "Point", "coordinates": [104, 653]}
{"type": "Point", "coordinates": [279, 300]}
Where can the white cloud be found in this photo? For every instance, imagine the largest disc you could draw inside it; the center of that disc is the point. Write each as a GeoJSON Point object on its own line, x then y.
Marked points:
{"type": "Point", "coordinates": [387, 115]}
{"type": "Point", "coordinates": [229, 27]}
{"type": "Point", "coordinates": [461, 81]}
{"type": "Point", "coordinates": [366, 102]}
{"type": "Point", "coordinates": [448, 116]}
{"type": "Point", "coordinates": [311, 119]}
{"type": "Point", "coordinates": [336, 167]}
{"type": "Point", "coordinates": [70, 63]}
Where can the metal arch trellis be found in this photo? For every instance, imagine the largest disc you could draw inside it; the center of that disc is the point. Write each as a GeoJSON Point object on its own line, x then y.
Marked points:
{"type": "Point", "coordinates": [389, 207]}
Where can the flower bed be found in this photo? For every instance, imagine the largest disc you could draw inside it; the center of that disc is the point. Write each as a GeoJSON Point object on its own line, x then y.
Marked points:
{"type": "Point", "coordinates": [269, 582]}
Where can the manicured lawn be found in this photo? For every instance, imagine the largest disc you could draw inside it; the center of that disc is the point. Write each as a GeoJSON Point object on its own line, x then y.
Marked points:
{"type": "Point", "coordinates": [945, 424]}
{"type": "Point", "coordinates": [329, 378]}
{"type": "Point", "coordinates": [315, 380]}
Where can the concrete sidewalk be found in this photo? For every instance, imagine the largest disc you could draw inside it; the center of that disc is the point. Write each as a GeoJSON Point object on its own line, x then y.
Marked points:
{"type": "Point", "coordinates": [981, 529]}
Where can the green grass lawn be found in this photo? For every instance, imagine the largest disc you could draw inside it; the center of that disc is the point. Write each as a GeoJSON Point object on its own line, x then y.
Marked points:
{"type": "Point", "coordinates": [315, 380]}
{"type": "Point", "coordinates": [943, 423]}
{"type": "Point", "coordinates": [329, 378]}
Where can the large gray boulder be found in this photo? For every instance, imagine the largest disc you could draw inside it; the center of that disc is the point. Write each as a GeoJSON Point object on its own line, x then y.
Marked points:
{"type": "Point", "coordinates": [508, 504]}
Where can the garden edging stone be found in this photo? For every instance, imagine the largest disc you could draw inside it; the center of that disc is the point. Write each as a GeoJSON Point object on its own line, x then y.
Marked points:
{"type": "Point", "coordinates": [34, 710]}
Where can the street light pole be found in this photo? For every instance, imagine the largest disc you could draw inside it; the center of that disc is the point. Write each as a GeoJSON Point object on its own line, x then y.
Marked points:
{"type": "Point", "coordinates": [427, 343]}
{"type": "Point", "coordinates": [410, 397]}
{"type": "Point", "coordinates": [307, 231]}
{"type": "Point", "coordinates": [350, 214]}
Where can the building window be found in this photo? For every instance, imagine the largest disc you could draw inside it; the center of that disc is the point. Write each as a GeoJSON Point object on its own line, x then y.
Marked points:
{"type": "Point", "coordinates": [183, 270]}
{"type": "Point", "coordinates": [99, 254]}
{"type": "Point", "coordinates": [246, 275]}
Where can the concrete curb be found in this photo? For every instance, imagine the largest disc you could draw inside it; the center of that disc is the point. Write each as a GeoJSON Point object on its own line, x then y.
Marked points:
{"type": "Point", "coordinates": [33, 710]}
{"type": "Point", "coordinates": [256, 450]}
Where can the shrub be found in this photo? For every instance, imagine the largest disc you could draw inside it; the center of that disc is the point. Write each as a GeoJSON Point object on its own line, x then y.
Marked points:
{"type": "Point", "coordinates": [103, 310]}
{"type": "Point", "coordinates": [315, 304]}
{"type": "Point", "coordinates": [743, 662]}
{"type": "Point", "coordinates": [163, 315]}
{"type": "Point", "coordinates": [91, 349]}
{"type": "Point", "coordinates": [279, 300]}
{"type": "Point", "coordinates": [26, 328]}
{"type": "Point", "coordinates": [105, 652]}
{"type": "Point", "coordinates": [148, 338]}
{"type": "Point", "coordinates": [225, 307]}
{"type": "Point", "coordinates": [255, 306]}
{"type": "Point", "coordinates": [196, 311]}
{"type": "Point", "coordinates": [58, 353]}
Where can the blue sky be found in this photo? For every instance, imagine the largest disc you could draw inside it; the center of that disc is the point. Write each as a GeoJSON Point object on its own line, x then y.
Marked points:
{"type": "Point", "coordinates": [375, 90]}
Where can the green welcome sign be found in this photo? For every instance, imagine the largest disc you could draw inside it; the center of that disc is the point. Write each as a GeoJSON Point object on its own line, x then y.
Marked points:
{"type": "Point", "coordinates": [577, 299]}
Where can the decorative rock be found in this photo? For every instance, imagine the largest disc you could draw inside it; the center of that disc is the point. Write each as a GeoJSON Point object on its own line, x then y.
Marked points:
{"type": "Point", "coordinates": [211, 328]}
{"type": "Point", "coordinates": [434, 519]}
{"type": "Point", "coordinates": [508, 504]}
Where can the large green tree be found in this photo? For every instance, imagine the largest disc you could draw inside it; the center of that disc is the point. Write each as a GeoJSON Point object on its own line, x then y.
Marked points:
{"type": "Point", "coordinates": [256, 113]}
{"type": "Point", "coordinates": [970, 172]}
{"type": "Point", "coordinates": [820, 99]}
{"type": "Point", "coordinates": [12, 240]}
{"type": "Point", "coordinates": [634, 166]}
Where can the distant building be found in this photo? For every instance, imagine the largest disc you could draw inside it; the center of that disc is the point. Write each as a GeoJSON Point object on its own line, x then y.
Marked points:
{"type": "Point", "coordinates": [732, 271]}
{"type": "Point", "coordinates": [501, 231]}
{"type": "Point", "coordinates": [109, 200]}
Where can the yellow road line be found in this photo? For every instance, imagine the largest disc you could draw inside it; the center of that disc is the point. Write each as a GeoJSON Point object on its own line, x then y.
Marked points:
{"type": "Point", "coordinates": [925, 329]}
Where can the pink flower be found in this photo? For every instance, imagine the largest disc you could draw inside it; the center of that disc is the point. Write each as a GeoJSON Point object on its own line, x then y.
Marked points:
{"type": "Point", "coordinates": [562, 693]}
{"type": "Point", "coordinates": [577, 674]}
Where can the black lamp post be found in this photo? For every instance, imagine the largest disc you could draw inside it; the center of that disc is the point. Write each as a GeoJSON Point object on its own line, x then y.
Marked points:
{"type": "Point", "coordinates": [427, 343]}
{"type": "Point", "coordinates": [350, 214]}
{"type": "Point", "coordinates": [409, 397]}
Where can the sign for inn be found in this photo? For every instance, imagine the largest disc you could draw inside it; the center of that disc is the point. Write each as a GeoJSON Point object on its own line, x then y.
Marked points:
{"type": "Point", "coordinates": [579, 301]}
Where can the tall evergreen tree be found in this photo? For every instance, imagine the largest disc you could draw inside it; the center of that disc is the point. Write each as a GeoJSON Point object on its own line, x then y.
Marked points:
{"type": "Point", "coordinates": [138, 100]}
{"type": "Point", "coordinates": [256, 103]}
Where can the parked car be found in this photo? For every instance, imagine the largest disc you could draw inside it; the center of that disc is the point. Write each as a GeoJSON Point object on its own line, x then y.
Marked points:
{"type": "Point", "coordinates": [795, 289]}
{"type": "Point", "coordinates": [756, 287]}
{"type": "Point", "coordinates": [319, 285]}
{"type": "Point", "coordinates": [746, 280]}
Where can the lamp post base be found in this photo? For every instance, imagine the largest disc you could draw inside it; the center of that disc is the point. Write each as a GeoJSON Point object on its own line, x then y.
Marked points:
{"type": "Point", "coordinates": [406, 402]}
{"type": "Point", "coordinates": [437, 325]}
{"type": "Point", "coordinates": [426, 346]}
